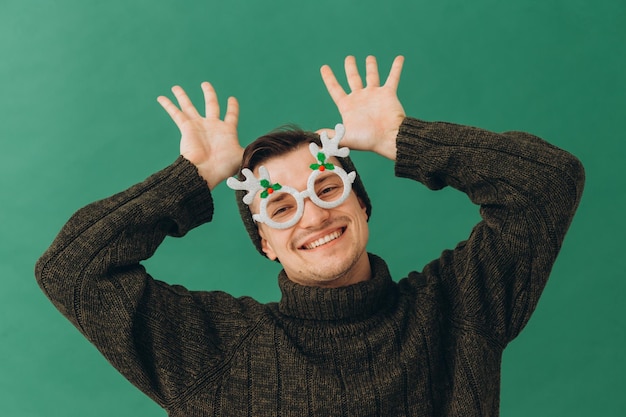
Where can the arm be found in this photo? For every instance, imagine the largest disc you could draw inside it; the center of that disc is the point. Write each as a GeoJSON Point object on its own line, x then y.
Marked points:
{"type": "Point", "coordinates": [158, 336]}
{"type": "Point", "coordinates": [527, 189]}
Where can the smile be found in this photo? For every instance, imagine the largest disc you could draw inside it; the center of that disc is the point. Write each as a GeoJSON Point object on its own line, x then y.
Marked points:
{"type": "Point", "coordinates": [323, 240]}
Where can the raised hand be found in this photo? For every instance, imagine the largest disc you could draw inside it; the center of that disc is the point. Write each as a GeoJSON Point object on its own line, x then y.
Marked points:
{"type": "Point", "coordinates": [372, 114]}
{"type": "Point", "coordinates": [208, 142]}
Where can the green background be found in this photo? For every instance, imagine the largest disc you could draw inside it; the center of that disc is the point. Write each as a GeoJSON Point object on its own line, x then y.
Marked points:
{"type": "Point", "coordinates": [79, 121]}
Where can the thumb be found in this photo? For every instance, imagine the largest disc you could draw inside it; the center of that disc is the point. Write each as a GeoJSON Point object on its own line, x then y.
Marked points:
{"type": "Point", "coordinates": [329, 132]}
{"type": "Point", "coordinates": [345, 140]}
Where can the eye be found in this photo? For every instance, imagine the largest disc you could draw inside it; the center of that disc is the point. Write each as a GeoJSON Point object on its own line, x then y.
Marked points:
{"type": "Point", "coordinates": [280, 210]}
{"type": "Point", "coordinates": [330, 189]}
{"type": "Point", "coordinates": [281, 206]}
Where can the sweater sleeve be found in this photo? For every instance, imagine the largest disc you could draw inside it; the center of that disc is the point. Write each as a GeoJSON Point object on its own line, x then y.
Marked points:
{"type": "Point", "coordinates": [162, 338]}
{"type": "Point", "coordinates": [527, 190]}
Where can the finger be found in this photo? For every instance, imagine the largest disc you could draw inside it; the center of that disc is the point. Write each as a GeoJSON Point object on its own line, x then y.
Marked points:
{"type": "Point", "coordinates": [171, 109]}
{"type": "Point", "coordinates": [184, 102]}
{"type": "Point", "coordinates": [394, 74]}
{"type": "Point", "coordinates": [352, 73]}
{"type": "Point", "coordinates": [232, 111]}
{"type": "Point", "coordinates": [371, 72]}
{"type": "Point", "coordinates": [333, 87]}
{"type": "Point", "coordinates": [211, 105]}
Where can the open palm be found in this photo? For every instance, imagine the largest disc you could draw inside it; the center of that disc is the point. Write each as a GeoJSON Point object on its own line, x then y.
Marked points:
{"type": "Point", "coordinates": [208, 142]}
{"type": "Point", "coordinates": [372, 113]}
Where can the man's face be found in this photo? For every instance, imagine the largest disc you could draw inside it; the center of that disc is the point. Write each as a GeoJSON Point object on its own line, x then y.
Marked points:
{"type": "Point", "coordinates": [326, 247]}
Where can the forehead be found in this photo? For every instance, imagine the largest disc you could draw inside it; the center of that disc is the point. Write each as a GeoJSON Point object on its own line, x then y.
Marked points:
{"type": "Point", "coordinates": [292, 166]}
{"type": "Point", "coordinates": [289, 166]}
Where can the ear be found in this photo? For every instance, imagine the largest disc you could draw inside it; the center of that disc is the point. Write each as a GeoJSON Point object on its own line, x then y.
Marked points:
{"type": "Point", "coordinates": [266, 246]}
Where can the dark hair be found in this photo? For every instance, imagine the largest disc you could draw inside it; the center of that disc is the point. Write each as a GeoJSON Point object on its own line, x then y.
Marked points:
{"type": "Point", "coordinates": [280, 142]}
{"type": "Point", "coordinates": [276, 143]}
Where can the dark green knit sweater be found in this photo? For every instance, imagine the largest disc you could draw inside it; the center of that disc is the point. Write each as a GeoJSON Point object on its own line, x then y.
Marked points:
{"type": "Point", "coordinates": [428, 345]}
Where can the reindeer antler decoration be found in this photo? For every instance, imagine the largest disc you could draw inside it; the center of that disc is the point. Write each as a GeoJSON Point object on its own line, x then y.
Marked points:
{"type": "Point", "coordinates": [330, 147]}
{"type": "Point", "coordinates": [252, 184]}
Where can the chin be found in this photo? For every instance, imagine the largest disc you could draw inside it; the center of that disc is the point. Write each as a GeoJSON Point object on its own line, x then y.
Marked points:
{"type": "Point", "coordinates": [330, 272]}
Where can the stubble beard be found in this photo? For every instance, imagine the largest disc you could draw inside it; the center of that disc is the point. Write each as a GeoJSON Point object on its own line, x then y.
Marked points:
{"type": "Point", "coordinates": [340, 272]}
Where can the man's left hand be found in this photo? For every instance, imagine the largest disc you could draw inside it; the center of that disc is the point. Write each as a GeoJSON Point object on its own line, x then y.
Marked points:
{"type": "Point", "coordinates": [372, 114]}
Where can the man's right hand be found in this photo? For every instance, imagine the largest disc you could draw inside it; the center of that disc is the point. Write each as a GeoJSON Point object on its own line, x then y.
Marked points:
{"type": "Point", "coordinates": [208, 142]}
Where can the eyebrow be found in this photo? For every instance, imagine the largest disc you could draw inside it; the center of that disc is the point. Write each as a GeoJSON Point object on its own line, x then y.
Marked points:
{"type": "Point", "coordinates": [325, 177]}
{"type": "Point", "coordinates": [279, 198]}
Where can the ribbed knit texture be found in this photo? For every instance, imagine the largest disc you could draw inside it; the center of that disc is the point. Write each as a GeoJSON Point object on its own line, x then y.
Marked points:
{"type": "Point", "coordinates": [427, 345]}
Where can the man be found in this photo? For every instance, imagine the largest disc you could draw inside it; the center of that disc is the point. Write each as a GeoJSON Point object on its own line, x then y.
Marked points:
{"type": "Point", "coordinates": [345, 339]}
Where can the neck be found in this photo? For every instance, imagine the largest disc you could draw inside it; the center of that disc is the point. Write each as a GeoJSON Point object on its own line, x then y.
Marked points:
{"type": "Point", "coordinates": [316, 303]}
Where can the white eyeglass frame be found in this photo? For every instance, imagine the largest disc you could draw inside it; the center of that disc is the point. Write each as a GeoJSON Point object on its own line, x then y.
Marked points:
{"type": "Point", "coordinates": [252, 184]}
{"type": "Point", "coordinates": [299, 196]}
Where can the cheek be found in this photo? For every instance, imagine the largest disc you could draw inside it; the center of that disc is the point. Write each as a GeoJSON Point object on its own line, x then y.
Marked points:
{"type": "Point", "coordinates": [274, 240]}
{"type": "Point", "coordinates": [358, 206]}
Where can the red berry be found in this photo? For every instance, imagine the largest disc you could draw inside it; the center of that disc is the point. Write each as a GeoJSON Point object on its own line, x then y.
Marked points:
{"type": "Point", "coordinates": [322, 167]}
{"type": "Point", "coordinates": [270, 190]}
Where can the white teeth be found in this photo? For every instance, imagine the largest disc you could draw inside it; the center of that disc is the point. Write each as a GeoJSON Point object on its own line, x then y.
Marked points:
{"type": "Point", "coordinates": [323, 240]}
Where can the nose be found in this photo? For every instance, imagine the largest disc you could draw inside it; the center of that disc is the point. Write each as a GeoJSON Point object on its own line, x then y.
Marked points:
{"type": "Point", "coordinates": [313, 215]}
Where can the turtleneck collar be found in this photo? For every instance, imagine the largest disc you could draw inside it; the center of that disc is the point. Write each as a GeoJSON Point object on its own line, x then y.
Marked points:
{"type": "Point", "coordinates": [358, 300]}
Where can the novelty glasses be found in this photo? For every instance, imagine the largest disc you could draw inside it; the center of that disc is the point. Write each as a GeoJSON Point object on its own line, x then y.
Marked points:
{"type": "Point", "coordinates": [282, 206]}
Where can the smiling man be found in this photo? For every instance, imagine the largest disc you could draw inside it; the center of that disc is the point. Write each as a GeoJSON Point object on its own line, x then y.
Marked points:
{"type": "Point", "coordinates": [345, 339]}
{"type": "Point", "coordinates": [325, 247]}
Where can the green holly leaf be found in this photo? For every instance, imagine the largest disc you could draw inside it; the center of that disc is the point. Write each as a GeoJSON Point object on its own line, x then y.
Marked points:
{"type": "Point", "coordinates": [321, 157]}
{"type": "Point", "coordinates": [314, 166]}
{"type": "Point", "coordinates": [264, 194]}
{"type": "Point", "coordinates": [265, 183]}
{"type": "Point", "coordinates": [329, 166]}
